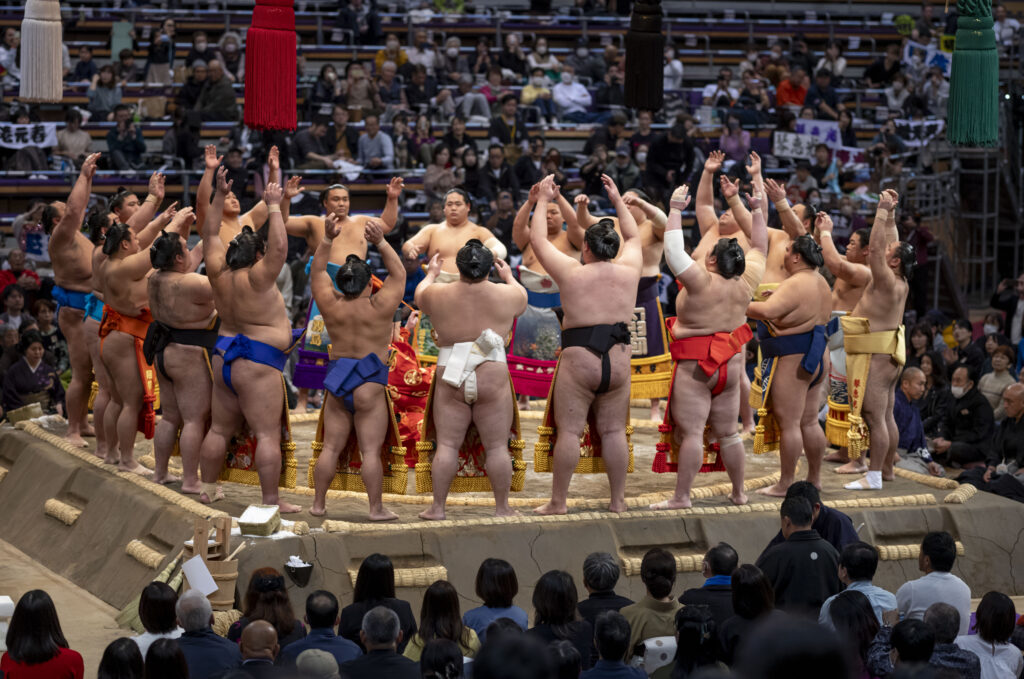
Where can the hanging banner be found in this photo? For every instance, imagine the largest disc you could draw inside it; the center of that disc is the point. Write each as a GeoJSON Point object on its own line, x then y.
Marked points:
{"type": "Point", "coordinates": [34, 134]}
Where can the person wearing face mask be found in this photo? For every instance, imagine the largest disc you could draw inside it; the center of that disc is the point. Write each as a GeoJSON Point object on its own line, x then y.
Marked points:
{"type": "Point", "coordinates": [992, 384]}
{"type": "Point", "coordinates": [572, 100]}
{"type": "Point", "coordinates": [392, 52]}
{"type": "Point", "coordinates": [673, 70]}
{"type": "Point", "coordinates": [584, 64]}
{"type": "Point", "coordinates": [537, 93]}
{"type": "Point", "coordinates": [965, 353]}
{"type": "Point", "coordinates": [453, 65]}
{"type": "Point", "coordinates": [1003, 473]}
{"type": "Point", "coordinates": [965, 432]}
{"type": "Point", "coordinates": [201, 49]}
{"type": "Point", "coordinates": [233, 58]}
{"type": "Point", "coordinates": [543, 59]}
{"type": "Point", "coordinates": [424, 53]}
{"type": "Point", "coordinates": [897, 92]}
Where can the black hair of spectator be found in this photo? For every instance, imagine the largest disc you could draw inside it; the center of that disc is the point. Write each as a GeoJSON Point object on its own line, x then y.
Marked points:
{"type": "Point", "coordinates": [602, 240]}
{"type": "Point", "coordinates": [996, 617]}
{"type": "Point", "coordinates": [500, 627]}
{"type": "Point", "coordinates": [913, 640]}
{"type": "Point", "coordinates": [353, 276]}
{"type": "Point", "coordinates": [496, 583]}
{"type": "Point", "coordinates": [439, 616]}
{"type": "Point", "coordinates": [460, 192]}
{"type": "Point", "coordinates": [537, 70]}
{"type": "Point", "coordinates": [243, 250]}
{"type": "Point", "coordinates": [165, 660]}
{"type": "Point", "coordinates": [806, 490]}
{"type": "Point", "coordinates": [908, 259]}
{"type": "Point", "coordinates": [722, 559]}
{"type": "Point", "coordinates": [940, 548]}
{"type": "Point", "coordinates": [156, 608]}
{"type": "Point", "coordinates": [972, 374]}
{"type": "Point", "coordinates": [792, 648]}
{"type": "Point", "coordinates": [938, 368]}
{"type": "Point", "coordinates": [115, 234]}
{"type": "Point", "coordinates": [808, 250]}
{"type": "Point", "coordinates": [49, 218]}
{"type": "Point", "coordinates": [375, 580]}
{"type": "Point", "coordinates": [752, 592]}
{"type": "Point", "coordinates": [611, 636]}
{"type": "Point", "coordinates": [564, 659]}
{"type": "Point", "coordinates": [729, 257]}
{"type": "Point", "coordinates": [437, 151]}
{"type": "Point", "coordinates": [695, 635]}
{"type": "Point", "coordinates": [473, 260]}
{"type": "Point", "coordinates": [321, 609]}
{"type": "Point", "coordinates": [798, 510]}
{"type": "Point", "coordinates": [944, 621]}
{"type": "Point", "coordinates": [266, 599]}
{"type": "Point", "coordinates": [505, 98]}
{"type": "Point", "coordinates": [441, 659]}
{"type": "Point", "coordinates": [521, 657]}
{"type": "Point", "coordinates": [321, 120]}
{"type": "Point", "coordinates": [73, 116]}
{"type": "Point", "coordinates": [10, 290]}
{"type": "Point", "coordinates": [34, 634]}
{"type": "Point", "coordinates": [855, 623]}
{"type": "Point", "coordinates": [165, 249]}
{"type": "Point", "coordinates": [658, 572]}
{"type": "Point", "coordinates": [125, 54]}
{"type": "Point", "coordinates": [121, 107]}
{"type": "Point", "coordinates": [860, 560]}
{"type": "Point", "coordinates": [121, 660]}
{"type": "Point", "coordinates": [823, 73]}
{"type": "Point", "coordinates": [28, 338]}
{"type": "Point", "coordinates": [677, 131]}
{"type": "Point", "coordinates": [554, 602]}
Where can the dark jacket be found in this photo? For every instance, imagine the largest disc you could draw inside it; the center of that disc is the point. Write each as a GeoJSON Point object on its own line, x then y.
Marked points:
{"type": "Point", "coordinates": [834, 526]}
{"type": "Point", "coordinates": [352, 620]}
{"type": "Point", "coordinates": [505, 181]}
{"type": "Point", "coordinates": [323, 639]}
{"type": "Point", "coordinates": [263, 669]}
{"type": "Point", "coordinates": [1007, 303]}
{"type": "Point", "coordinates": [663, 156]}
{"type": "Point", "coordinates": [969, 419]}
{"type": "Point", "coordinates": [1008, 443]}
{"type": "Point", "coordinates": [207, 654]}
{"type": "Point", "coordinates": [933, 406]}
{"type": "Point", "coordinates": [381, 665]}
{"type": "Point", "coordinates": [351, 137]}
{"type": "Point", "coordinates": [717, 598]}
{"type": "Point", "coordinates": [606, 669]}
{"type": "Point", "coordinates": [526, 171]}
{"type": "Point", "coordinates": [944, 657]}
{"type": "Point", "coordinates": [501, 131]}
{"type": "Point", "coordinates": [908, 423]}
{"type": "Point", "coordinates": [804, 572]}
{"type": "Point", "coordinates": [217, 101]}
{"type": "Point", "coordinates": [297, 634]}
{"type": "Point", "coordinates": [580, 635]}
{"type": "Point", "coordinates": [599, 602]}
{"type": "Point", "coordinates": [972, 357]}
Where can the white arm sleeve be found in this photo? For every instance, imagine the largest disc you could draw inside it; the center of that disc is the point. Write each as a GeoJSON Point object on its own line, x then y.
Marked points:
{"type": "Point", "coordinates": [675, 252]}
{"type": "Point", "coordinates": [496, 247]}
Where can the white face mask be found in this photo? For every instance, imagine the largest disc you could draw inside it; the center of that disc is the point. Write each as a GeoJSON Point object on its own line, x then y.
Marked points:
{"type": "Point", "coordinates": [957, 392]}
{"type": "Point", "coordinates": [990, 329]}
{"type": "Point", "coordinates": [567, 78]}
{"type": "Point", "coordinates": [452, 52]}
{"type": "Point", "coordinates": [582, 52]}
{"type": "Point", "coordinates": [847, 210]}
{"type": "Point", "coordinates": [641, 156]}
{"type": "Point", "coordinates": [392, 44]}
{"type": "Point", "coordinates": [200, 47]}
{"type": "Point", "coordinates": [231, 47]}
{"type": "Point", "coordinates": [541, 50]}
{"type": "Point", "coordinates": [538, 81]}
{"type": "Point", "coordinates": [897, 87]}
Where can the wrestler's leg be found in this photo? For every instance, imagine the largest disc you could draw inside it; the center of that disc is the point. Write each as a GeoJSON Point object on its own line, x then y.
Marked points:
{"type": "Point", "coordinates": [260, 394]}
{"type": "Point", "coordinates": [611, 411]}
{"type": "Point", "coordinates": [110, 415]}
{"type": "Point", "coordinates": [493, 415]}
{"type": "Point", "coordinates": [77, 395]}
{"type": "Point", "coordinates": [746, 412]}
{"type": "Point", "coordinates": [723, 427]}
{"type": "Point", "coordinates": [889, 466]}
{"type": "Point", "coordinates": [166, 431]}
{"type": "Point", "coordinates": [656, 414]}
{"type": "Point", "coordinates": [225, 419]}
{"type": "Point", "coordinates": [303, 400]}
{"type": "Point", "coordinates": [371, 422]}
{"type": "Point", "coordinates": [90, 332]}
{"type": "Point", "coordinates": [578, 370]}
{"type": "Point", "coordinates": [814, 440]}
{"type": "Point", "coordinates": [788, 397]}
{"type": "Point", "coordinates": [192, 389]}
{"type": "Point", "coordinates": [690, 403]}
{"type": "Point", "coordinates": [337, 427]}
{"type": "Point", "coordinates": [881, 377]}
{"type": "Point", "coordinates": [451, 420]}
{"type": "Point", "coordinates": [120, 359]}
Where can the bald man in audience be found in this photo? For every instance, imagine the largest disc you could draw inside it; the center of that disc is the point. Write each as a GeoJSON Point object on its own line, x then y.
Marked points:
{"type": "Point", "coordinates": [912, 446]}
{"type": "Point", "coordinates": [259, 649]}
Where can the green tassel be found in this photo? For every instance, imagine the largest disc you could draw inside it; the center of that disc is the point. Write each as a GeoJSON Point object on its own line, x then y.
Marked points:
{"type": "Point", "coordinates": [973, 111]}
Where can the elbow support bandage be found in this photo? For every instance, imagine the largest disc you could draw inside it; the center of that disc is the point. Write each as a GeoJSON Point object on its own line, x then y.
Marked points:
{"type": "Point", "coordinates": [496, 246]}
{"type": "Point", "coordinates": [675, 252]}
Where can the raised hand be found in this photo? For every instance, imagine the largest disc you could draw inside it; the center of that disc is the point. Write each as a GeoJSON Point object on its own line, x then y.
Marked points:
{"type": "Point", "coordinates": [292, 187]}
{"type": "Point", "coordinates": [680, 198]}
{"type": "Point", "coordinates": [548, 188]}
{"type": "Point", "coordinates": [274, 158]}
{"type": "Point", "coordinates": [89, 166]}
{"type": "Point", "coordinates": [714, 162]}
{"type": "Point", "coordinates": [885, 201]}
{"type": "Point", "coordinates": [170, 212]}
{"type": "Point", "coordinates": [582, 199]}
{"type": "Point", "coordinates": [272, 194]}
{"type": "Point", "coordinates": [156, 185]}
{"type": "Point", "coordinates": [823, 222]}
{"type": "Point", "coordinates": [211, 158]}
{"type": "Point", "coordinates": [729, 189]}
{"type": "Point", "coordinates": [611, 189]}
{"type": "Point", "coordinates": [776, 190]}
{"type": "Point", "coordinates": [755, 164]}
{"type": "Point", "coordinates": [414, 318]}
{"type": "Point", "coordinates": [184, 217]}
{"type": "Point", "coordinates": [434, 267]}
{"type": "Point", "coordinates": [374, 231]}
{"type": "Point", "coordinates": [395, 187]}
{"type": "Point", "coordinates": [331, 227]}
{"type": "Point", "coordinates": [503, 269]}
{"type": "Point", "coordinates": [223, 185]}
{"type": "Point", "coordinates": [534, 193]}
{"type": "Point", "coordinates": [754, 201]}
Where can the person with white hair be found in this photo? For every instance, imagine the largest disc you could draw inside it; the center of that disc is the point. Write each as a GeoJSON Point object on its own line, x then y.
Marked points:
{"type": "Point", "coordinates": [206, 653]}
{"type": "Point", "coordinates": [381, 634]}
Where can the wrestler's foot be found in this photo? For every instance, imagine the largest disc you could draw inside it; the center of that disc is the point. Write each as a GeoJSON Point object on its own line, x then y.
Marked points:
{"type": "Point", "coordinates": [838, 456]}
{"type": "Point", "coordinates": [524, 403]}
{"type": "Point", "coordinates": [549, 508]}
{"type": "Point", "coordinates": [871, 481]}
{"type": "Point", "coordinates": [87, 431]}
{"type": "Point", "coordinates": [777, 490]}
{"type": "Point", "coordinates": [506, 511]}
{"type": "Point", "coordinates": [318, 511]}
{"type": "Point", "coordinates": [218, 494]}
{"type": "Point", "coordinates": [433, 514]}
{"type": "Point", "coordinates": [738, 498]}
{"type": "Point", "coordinates": [852, 467]}
{"type": "Point", "coordinates": [77, 441]}
{"type": "Point", "coordinates": [382, 514]}
{"type": "Point", "coordinates": [193, 489]}
{"type": "Point", "coordinates": [672, 503]}
{"type": "Point", "coordinates": [287, 507]}
{"type": "Point", "coordinates": [617, 507]}
{"type": "Point", "coordinates": [166, 478]}
{"type": "Point", "coordinates": [134, 469]}
{"type": "Point", "coordinates": [111, 458]}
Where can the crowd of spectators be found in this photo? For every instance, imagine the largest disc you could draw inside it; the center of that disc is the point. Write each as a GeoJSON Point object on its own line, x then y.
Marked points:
{"type": "Point", "coordinates": [740, 623]}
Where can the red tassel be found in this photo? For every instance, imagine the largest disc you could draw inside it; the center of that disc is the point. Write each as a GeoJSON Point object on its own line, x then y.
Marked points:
{"type": "Point", "coordinates": [270, 67]}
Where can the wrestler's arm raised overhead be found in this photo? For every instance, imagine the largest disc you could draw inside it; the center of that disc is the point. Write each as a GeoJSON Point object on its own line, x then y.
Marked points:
{"type": "Point", "coordinates": [389, 215]}
{"type": "Point", "coordinates": [514, 289]}
{"type": "Point", "coordinates": [263, 274]}
{"type": "Point", "coordinates": [855, 274]}
{"type": "Point", "coordinates": [631, 253]}
{"type": "Point", "coordinates": [213, 248]}
{"type": "Point", "coordinates": [78, 200]}
{"type": "Point", "coordinates": [568, 214]}
{"type": "Point", "coordinates": [319, 280]}
{"type": "Point", "coordinates": [391, 292]}
{"type": "Point", "coordinates": [657, 218]}
{"type": "Point", "coordinates": [705, 206]}
{"type": "Point", "coordinates": [554, 261]}
{"type": "Point", "coordinates": [692, 277]}
{"type": "Point", "coordinates": [740, 213]}
{"type": "Point", "coordinates": [521, 223]}
{"type": "Point", "coordinates": [138, 221]}
{"type": "Point", "coordinates": [258, 214]}
{"type": "Point", "coordinates": [791, 223]}
{"type": "Point", "coordinates": [211, 161]}
{"type": "Point", "coordinates": [883, 232]}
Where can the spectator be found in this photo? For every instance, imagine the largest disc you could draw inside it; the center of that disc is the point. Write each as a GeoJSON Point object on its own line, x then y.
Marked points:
{"type": "Point", "coordinates": [912, 640]}
{"type": "Point", "coordinates": [456, 138]}
{"type": "Point", "coordinates": [938, 553]}
{"type": "Point", "coordinates": [540, 57]}
{"type": "Point", "coordinates": [424, 53]}
{"type": "Point", "coordinates": [497, 175]}
{"type": "Point", "coordinates": [468, 103]}
{"type": "Point", "coordinates": [310, 145]}
{"type": "Point", "coordinates": [390, 93]}
{"type": "Point", "coordinates": [125, 69]}
{"type": "Point", "coordinates": [591, 172]}
{"type": "Point", "coordinates": [822, 96]}
{"type": "Point", "coordinates": [362, 19]}
{"type": "Point", "coordinates": [938, 399]}
{"type": "Point", "coordinates": [86, 68]}
{"type": "Point", "coordinates": [360, 91]}
{"type": "Point", "coordinates": [259, 646]}
{"type": "Point", "coordinates": [165, 660]}
{"type": "Point", "coordinates": [673, 70]}
{"type": "Point", "coordinates": [832, 61]}
{"type": "Point", "coordinates": [967, 425]}
{"type": "Point", "coordinates": [1005, 28]}
{"type": "Point", "coordinates": [824, 168]}
{"type": "Point", "coordinates": [508, 128]}
{"type": "Point", "coordinates": [1004, 469]}
{"type": "Point", "coordinates": [600, 573]}
{"type": "Point", "coordinates": [422, 141]}
{"type": "Point", "coordinates": [944, 620]}
{"type": "Point", "coordinates": [847, 134]}
{"type": "Point", "coordinates": [16, 271]}
{"type": "Point", "coordinates": [121, 660]}
{"type": "Point", "coordinates": [896, 93]}
{"type": "Point", "coordinates": [188, 95]}
{"type": "Point", "coordinates": [753, 601]}
{"type": "Point", "coordinates": [721, 93]}
{"type": "Point", "coordinates": [380, 634]}
{"type": "Point", "coordinates": [217, 99]}
{"type": "Point", "coordinates": [375, 587]}
{"type": "Point", "coordinates": [668, 161]}
{"type": "Point", "coordinates": [500, 224]}
{"type": "Point", "coordinates": [529, 169]}
{"type": "Point", "coordinates": [572, 100]}
{"type": "Point", "coordinates": [884, 69]}
{"type": "Point", "coordinates": [793, 90]}
{"type": "Point", "coordinates": [392, 52]}
{"type": "Point", "coordinates": [734, 141]}
{"type": "Point", "coordinates": [610, 94]}
{"type": "Point", "coordinates": [72, 141]}
{"type": "Point", "coordinates": [524, 657]}
{"type": "Point", "coordinates": [156, 613]}
{"type": "Point", "coordinates": [583, 63]}
{"type": "Point", "coordinates": [608, 135]}
{"type": "Point", "coordinates": [201, 49]}
{"type": "Point", "coordinates": [440, 619]}
{"type": "Point", "coordinates": [993, 384]}
{"type": "Point", "coordinates": [9, 57]}
{"type": "Point", "coordinates": [612, 634]}
{"type": "Point", "coordinates": [995, 620]}
{"type": "Point", "coordinates": [439, 177]}
{"type": "Point", "coordinates": [493, 90]}
{"type": "Point", "coordinates": [716, 592]}
{"type": "Point", "coordinates": [232, 56]}
{"type": "Point", "coordinates": [441, 659]}
{"type": "Point", "coordinates": [497, 586]}
{"type": "Point", "coordinates": [238, 174]}
{"type": "Point", "coordinates": [555, 617]}
{"type": "Point", "coordinates": [857, 565]}
{"type": "Point", "coordinates": [54, 345]}
{"type": "Point", "coordinates": [802, 181]}
{"type": "Point", "coordinates": [854, 621]}
{"type": "Point", "coordinates": [376, 150]}
{"type": "Point", "coordinates": [104, 93]}
{"type": "Point", "coordinates": [623, 171]}
{"type": "Point", "coordinates": [124, 141]}
{"type": "Point", "coordinates": [424, 96]}
{"type": "Point", "coordinates": [482, 62]}
{"type": "Point", "coordinates": [14, 315]}
{"type": "Point", "coordinates": [1009, 298]}
{"type": "Point", "coordinates": [912, 445]}
{"type": "Point", "coordinates": [654, 615]}
{"type": "Point", "coordinates": [537, 93]}
{"type": "Point", "coordinates": [935, 91]}
{"type": "Point", "coordinates": [160, 61]}
{"type": "Point", "coordinates": [512, 59]}
{"type": "Point", "coordinates": [266, 599]}
{"type": "Point", "coordinates": [472, 176]}
{"type": "Point", "coordinates": [342, 141]}
{"type": "Point", "coordinates": [9, 339]}
{"type": "Point", "coordinates": [321, 616]}
{"type": "Point", "coordinates": [644, 135]}
{"type": "Point", "coordinates": [327, 89]}
{"type": "Point", "coordinates": [206, 653]}
{"type": "Point", "coordinates": [921, 341]}
{"type": "Point", "coordinates": [696, 644]}
{"type": "Point", "coordinates": [316, 664]}
{"type": "Point", "coordinates": [36, 646]}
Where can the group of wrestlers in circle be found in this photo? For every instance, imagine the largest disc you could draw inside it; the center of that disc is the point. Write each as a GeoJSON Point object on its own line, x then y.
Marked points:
{"type": "Point", "coordinates": [224, 335]}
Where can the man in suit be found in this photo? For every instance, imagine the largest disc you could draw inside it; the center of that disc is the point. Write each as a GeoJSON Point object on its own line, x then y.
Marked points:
{"type": "Point", "coordinates": [206, 654]}
{"type": "Point", "coordinates": [600, 573]}
{"type": "Point", "coordinates": [322, 617]}
{"type": "Point", "coordinates": [259, 651]}
{"type": "Point", "coordinates": [716, 593]}
{"type": "Point", "coordinates": [611, 636]}
{"type": "Point", "coordinates": [381, 635]}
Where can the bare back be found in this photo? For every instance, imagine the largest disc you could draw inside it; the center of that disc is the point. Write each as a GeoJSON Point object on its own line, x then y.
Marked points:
{"type": "Point", "coordinates": [460, 311]}
{"type": "Point", "coordinates": [720, 305]}
{"type": "Point", "coordinates": [358, 327]}
{"type": "Point", "coordinates": [181, 300]}
{"type": "Point", "coordinates": [243, 309]}
{"type": "Point", "coordinates": [710, 239]}
{"type": "Point", "coordinates": [598, 293]}
{"type": "Point", "coordinates": [72, 265]}
{"type": "Point", "coordinates": [808, 301]}
{"type": "Point", "coordinates": [775, 268]}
